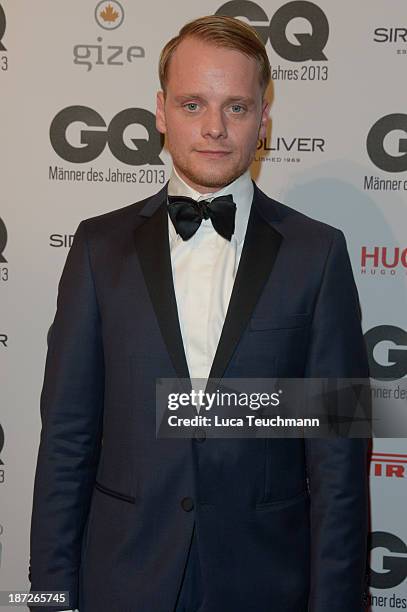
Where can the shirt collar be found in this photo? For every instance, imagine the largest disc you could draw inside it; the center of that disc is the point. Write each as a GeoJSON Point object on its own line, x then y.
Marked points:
{"type": "Point", "coordinates": [241, 189]}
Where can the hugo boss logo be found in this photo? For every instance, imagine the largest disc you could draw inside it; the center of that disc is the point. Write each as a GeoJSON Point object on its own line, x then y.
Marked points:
{"type": "Point", "coordinates": [378, 151]}
{"type": "Point", "coordinates": [307, 45]}
{"type": "Point", "coordinates": [90, 143]}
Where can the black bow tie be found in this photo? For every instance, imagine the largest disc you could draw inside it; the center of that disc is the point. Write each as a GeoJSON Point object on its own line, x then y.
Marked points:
{"type": "Point", "coordinates": [187, 214]}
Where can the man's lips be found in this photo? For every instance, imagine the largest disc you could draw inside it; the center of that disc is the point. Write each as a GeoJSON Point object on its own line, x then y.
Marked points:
{"type": "Point", "coordinates": [211, 153]}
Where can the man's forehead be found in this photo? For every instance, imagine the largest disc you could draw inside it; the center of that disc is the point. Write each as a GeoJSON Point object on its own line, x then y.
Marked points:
{"type": "Point", "coordinates": [194, 51]}
{"type": "Point", "coordinates": [206, 66]}
{"type": "Point", "coordinates": [202, 47]}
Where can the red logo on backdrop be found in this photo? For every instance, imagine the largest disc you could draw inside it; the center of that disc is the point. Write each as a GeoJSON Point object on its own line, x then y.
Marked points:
{"type": "Point", "coordinates": [383, 261]}
{"type": "Point", "coordinates": [389, 465]}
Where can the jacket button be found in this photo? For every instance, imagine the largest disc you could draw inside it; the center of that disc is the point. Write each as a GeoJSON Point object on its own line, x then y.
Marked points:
{"type": "Point", "coordinates": [200, 435]}
{"type": "Point", "coordinates": [187, 503]}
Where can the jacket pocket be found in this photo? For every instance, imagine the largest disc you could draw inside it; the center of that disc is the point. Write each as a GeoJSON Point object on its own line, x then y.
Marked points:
{"type": "Point", "coordinates": [113, 493]}
{"type": "Point", "coordinates": [285, 321]}
{"type": "Point", "coordinates": [283, 503]}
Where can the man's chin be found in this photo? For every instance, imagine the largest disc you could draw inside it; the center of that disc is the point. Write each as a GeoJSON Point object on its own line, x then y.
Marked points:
{"type": "Point", "coordinates": [213, 180]}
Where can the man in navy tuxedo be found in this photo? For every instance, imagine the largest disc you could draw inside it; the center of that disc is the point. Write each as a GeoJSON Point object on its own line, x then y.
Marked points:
{"type": "Point", "coordinates": [208, 278]}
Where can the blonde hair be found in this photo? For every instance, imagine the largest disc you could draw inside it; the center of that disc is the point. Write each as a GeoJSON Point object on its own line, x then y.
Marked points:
{"type": "Point", "coordinates": [220, 31]}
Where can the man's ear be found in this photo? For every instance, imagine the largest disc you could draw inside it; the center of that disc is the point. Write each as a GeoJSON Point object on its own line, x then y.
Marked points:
{"type": "Point", "coordinates": [264, 119]}
{"type": "Point", "coordinates": [160, 113]}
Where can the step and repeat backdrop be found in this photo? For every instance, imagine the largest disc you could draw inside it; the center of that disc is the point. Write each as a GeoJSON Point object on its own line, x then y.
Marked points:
{"type": "Point", "coordinates": [78, 82]}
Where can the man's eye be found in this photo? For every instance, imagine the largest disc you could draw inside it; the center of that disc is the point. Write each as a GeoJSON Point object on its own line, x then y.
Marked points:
{"type": "Point", "coordinates": [237, 108]}
{"type": "Point", "coordinates": [191, 106]}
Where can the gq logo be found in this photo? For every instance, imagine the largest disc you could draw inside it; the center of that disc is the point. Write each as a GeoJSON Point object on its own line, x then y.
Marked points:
{"type": "Point", "coordinates": [387, 363]}
{"type": "Point", "coordinates": [1, 442]}
{"type": "Point", "coordinates": [92, 142]}
{"type": "Point", "coordinates": [309, 47]}
{"type": "Point", "coordinates": [394, 567]}
{"type": "Point", "coordinates": [376, 145]}
{"type": "Point", "coordinates": [3, 240]}
{"type": "Point", "coordinates": [2, 28]}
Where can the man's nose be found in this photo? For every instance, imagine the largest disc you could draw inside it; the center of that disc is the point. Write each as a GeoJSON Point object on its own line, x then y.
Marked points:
{"type": "Point", "coordinates": [214, 124]}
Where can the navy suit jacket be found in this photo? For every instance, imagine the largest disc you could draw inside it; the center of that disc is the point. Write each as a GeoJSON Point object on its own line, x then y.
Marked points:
{"type": "Point", "coordinates": [281, 523]}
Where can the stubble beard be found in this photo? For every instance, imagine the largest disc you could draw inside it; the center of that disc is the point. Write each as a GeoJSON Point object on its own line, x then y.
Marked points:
{"type": "Point", "coordinates": [206, 179]}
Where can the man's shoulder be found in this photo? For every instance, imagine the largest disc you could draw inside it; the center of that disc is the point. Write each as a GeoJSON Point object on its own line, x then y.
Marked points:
{"type": "Point", "coordinates": [294, 223]}
{"type": "Point", "coordinates": [119, 218]}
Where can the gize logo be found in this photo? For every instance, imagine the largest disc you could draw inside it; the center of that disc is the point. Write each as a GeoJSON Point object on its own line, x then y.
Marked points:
{"type": "Point", "coordinates": [383, 260]}
{"type": "Point", "coordinates": [109, 15]}
{"type": "Point", "coordinates": [389, 465]}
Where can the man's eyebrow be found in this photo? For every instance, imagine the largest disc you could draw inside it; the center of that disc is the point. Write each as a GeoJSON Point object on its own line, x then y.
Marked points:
{"type": "Point", "coordinates": [245, 99]}
{"type": "Point", "coordinates": [186, 96]}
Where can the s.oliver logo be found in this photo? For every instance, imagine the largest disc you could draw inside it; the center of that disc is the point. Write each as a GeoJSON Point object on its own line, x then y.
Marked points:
{"type": "Point", "coordinates": [90, 143]}
{"type": "Point", "coordinates": [307, 46]}
{"type": "Point", "coordinates": [389, 156]}
{"type": "Point", "coordinates": [387, 352]}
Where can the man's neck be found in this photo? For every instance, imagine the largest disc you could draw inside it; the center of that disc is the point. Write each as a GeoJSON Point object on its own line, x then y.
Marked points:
{"type": "Point", "coordinates": [200, 190]}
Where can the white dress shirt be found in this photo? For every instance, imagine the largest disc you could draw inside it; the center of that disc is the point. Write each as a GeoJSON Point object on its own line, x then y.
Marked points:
{"type": "Point", "coordinates": [204, 269]}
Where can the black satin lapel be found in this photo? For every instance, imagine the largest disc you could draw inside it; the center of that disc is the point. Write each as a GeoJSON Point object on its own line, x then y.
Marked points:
{"type": "Point", "coordinates": [259, 252]}
{"type": "Point", "coordinates": [152, 245]}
